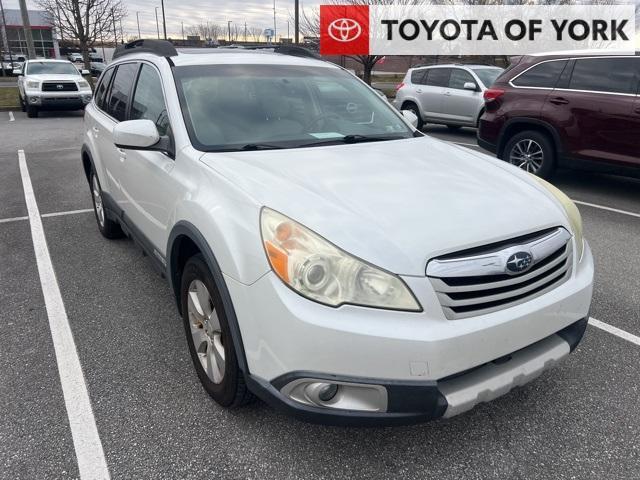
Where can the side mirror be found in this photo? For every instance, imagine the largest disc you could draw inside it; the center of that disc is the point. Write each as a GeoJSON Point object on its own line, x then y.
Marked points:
{"type": "Point", "coordinates": [135, 134]}
{"type": "Point", "coordinates": [411, 117]}
{"type": "Point", "coordinates": [84, 72]}
{"type": "Point", "coordinates": [470, 86]}
{"type": "Point", "coordinates": [141, 135]}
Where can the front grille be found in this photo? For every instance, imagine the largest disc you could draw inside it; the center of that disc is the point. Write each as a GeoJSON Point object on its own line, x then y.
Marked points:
{"type": "Point", "coordinates": [470, 285]}
{"type": "Point", "coordinates": [59, 87]}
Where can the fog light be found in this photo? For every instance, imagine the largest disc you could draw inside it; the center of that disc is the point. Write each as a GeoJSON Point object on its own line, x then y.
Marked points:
{"type": "Point", "coordinates": [327, 392]}
{"type": "Point", "coordinates": [33, 99]}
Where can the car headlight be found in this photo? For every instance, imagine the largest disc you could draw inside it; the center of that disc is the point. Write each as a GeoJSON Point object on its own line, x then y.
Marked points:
{"type": "Point", "coordinates": [33, 84]}
{"type": "Point", "coordinates": [83, 84]}
{"type": "Point", "coordinates": [320, 271]}
{"type": "Point", "coordinates": [572, 212]}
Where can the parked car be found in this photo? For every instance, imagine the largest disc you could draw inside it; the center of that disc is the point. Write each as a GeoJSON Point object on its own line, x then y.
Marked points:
{"type": "Point", "coordinates": [446, 94]}
{"type": "Point", "coordinates": [324, 254]}
{"type": "Point", "coordinates": [75, 57]}
{"type": "Point", "coordinates": [575, 110]}
{"type": "Point", "coordinates": [94, 57]}
{"type": "Point", "coordinates": [52, 85]}
{"type": "Point", "coordinates": [97, 68]}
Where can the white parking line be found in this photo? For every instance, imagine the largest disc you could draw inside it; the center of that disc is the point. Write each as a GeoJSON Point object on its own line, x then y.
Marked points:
{"type": "Point", "coordinates": [629, 337]}
{"type": "Point", "coordinates": [602, 207]}
{"type": "Point", "coordinates": [89, 452]}
{"type": "Point", "coordinates": [13, 219]}
{"type": "Point", "coordinates": [68, 212]}
{"type": "Point", "coordinates": [11, 117]}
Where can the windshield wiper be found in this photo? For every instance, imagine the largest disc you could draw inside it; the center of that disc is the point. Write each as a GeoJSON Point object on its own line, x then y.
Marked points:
{"type": "Point", "coordinates": [259, 146]}
{"type": "Point", "coordinates": [354, 139]}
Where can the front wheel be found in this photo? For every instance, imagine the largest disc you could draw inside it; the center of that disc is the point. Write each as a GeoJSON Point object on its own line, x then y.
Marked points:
{"type": "Point", "coordinates": [531, 151]}
{"type": "Point", "coordinates": [32, 112]}
{"type": "Point", "coordinates": [108, 228]}
{"type": "Point", "coordinates": [209, 336]}
{"type": "Point", "coordinates": [23, 105]}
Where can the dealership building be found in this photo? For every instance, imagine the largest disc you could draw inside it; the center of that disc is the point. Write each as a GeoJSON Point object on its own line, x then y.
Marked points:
{"type": "Point", "coordinates": [44, 41]}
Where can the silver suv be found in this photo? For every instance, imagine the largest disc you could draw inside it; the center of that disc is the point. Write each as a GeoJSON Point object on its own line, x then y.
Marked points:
{"type": "Point", "coordinates": [446, 94]}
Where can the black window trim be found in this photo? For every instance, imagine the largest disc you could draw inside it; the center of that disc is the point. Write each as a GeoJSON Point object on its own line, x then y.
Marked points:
{"type": "Point", "coordinates": [108, 94]}
{"type": "Point", "coordinates": [636, 76]}
{"type": "Point", "coordinates": [423, 71]}
{"type": "Point", "coordinates": [108, 88]}
{"type": "Point", "coordinates": [571, 61]}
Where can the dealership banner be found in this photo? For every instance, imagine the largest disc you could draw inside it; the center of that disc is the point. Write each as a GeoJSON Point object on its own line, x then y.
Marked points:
{"type": "Point", "coordinates": [474, 29]}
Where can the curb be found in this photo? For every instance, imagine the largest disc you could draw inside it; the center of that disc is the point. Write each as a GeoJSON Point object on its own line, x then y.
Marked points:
{"type": "Point", "coordinates": [9, 109]}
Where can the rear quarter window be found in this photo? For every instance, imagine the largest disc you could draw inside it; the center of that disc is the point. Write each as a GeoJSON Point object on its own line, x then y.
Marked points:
{"type": "Point", "coordinates": [612, 75]}
{"type": "Point", "coordinates": [543, 75]}
{"type": "Point", "coordinates": [417, 77]}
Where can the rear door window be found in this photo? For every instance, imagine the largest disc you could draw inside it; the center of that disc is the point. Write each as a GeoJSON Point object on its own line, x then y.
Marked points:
{"type": "Point", "coordinates": [438, 77]}
{"type": "Point", "coordinates": [543, 75]}
{"type": "Point", "coordinates": [121, 90]}
{"type": "Point", "coordinates": [611, 75]}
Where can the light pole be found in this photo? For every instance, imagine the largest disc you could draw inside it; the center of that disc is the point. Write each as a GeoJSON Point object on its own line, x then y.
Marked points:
{"type": "Point", "coordinates": [26, 25]}
{"type": "Point", "coordinates": [115, 32]}
{"type": "Point", "coordinates": [229, 22]}
{"type": "Point", "coordinates": [164, 20]}
{"type": "Point", "coordinates": [138, 20]}
{"type": "Point", "coordinates": [275, 33]}
{"type": "Point", "coordinates": [157, 24]}
{"type": "Point", "coordinates": [5, 39]}
{"type": "Point", "coordinates": [182, 26]}
{"type": "Point", "coordinates": [296, 27]}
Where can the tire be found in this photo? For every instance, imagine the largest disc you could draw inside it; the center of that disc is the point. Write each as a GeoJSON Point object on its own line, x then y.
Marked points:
{"type": "Point", "coordinates": [542, 157]}
{"type": "Point", "coordinates": [23, 105]}
{"type": "Point", "coordinates": [416, 111]}
{"type": "Point", "coordinates": [209, 336]}
{"type": "Point", "coordinates": [32, 112]}
{"type": "Point", "coordinates": [108, 228]}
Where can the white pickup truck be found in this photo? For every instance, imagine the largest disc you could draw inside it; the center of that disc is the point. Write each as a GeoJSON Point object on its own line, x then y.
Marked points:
{"type": "Point", "coordinates": [52, 85]}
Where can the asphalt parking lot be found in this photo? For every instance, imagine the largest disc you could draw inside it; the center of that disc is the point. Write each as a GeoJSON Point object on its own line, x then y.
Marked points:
{"type": "Point", "coordinates": [579, 421]}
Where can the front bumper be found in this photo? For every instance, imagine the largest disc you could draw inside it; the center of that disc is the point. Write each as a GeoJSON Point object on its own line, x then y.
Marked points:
{"type": "Point", "coordinates": [284, 334]}
{"type": "Point", "coordinates": [58, 101]}
{"type": "Point", "coordinates": [413, 402]}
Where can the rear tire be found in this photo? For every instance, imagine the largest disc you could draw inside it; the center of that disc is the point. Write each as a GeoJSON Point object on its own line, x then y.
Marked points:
{"type": "Point", "coordinates": [32, 112]}
{"type": "Point", "coordinates": [416, 111]}
{"type": "Point", "coordinates": [209, 336]}
{"type": "Point", "coordinates": [108, 228]}
{"type": "Point", "coordinates": [531, 151]}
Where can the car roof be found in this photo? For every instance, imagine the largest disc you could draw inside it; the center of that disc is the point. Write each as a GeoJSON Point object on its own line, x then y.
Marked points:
{"type": "Point", "coordinates": [456, 65]}
{"type": "Point", "coordinates": [216, 56]}
{"type": "Point", "coordinates": [48, 60]}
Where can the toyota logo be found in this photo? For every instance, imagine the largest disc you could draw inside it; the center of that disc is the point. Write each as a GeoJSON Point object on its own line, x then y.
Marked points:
{"type": "Point", "coordinates": [59, 87]}
{"type": "Point", "coordinates": [519, 262]}
{"type": "Point", "coordinates": [344, 30]}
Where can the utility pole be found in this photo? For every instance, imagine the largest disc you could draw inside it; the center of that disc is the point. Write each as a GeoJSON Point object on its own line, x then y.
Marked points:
{"type": "Point", "coordinates": [245, 30]}
{"type": "Point", "coordinates": [26, 25]}
{"type": "Point", "coordinates": [182, 25]}
{"type": "Point", "coordinates": [157, 24]}
{"type": "Point", "coordinates": [121, 32]}
{"type": "Point", "coordinates": [164, 20]}
{"type": "Point", "coordinates": [229, 22]}
{"type": "Point", "coordinates": [138, 20]}
{"type": "Point", "coordinates": [288, 29]}
{"type": "Point", "coordinates": [296, 27]}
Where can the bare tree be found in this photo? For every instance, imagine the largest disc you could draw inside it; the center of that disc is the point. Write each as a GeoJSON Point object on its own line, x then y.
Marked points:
{"type": "Point", "coordinates": [86, 21]}
{"type": "Point", "coordinates": [208, 31]}
{"type": "Point", "coordinates": [256, 33]}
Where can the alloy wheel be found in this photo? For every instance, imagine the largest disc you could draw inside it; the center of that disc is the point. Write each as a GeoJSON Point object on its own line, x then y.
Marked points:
{"type": "Point", "coordinates": [97, 200]}
{"type": "Point", "coordinates": [528, 155]}
{"type": "Point", "coordinates": [206, 331]}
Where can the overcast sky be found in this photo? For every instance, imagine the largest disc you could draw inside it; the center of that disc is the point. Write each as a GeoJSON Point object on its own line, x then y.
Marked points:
{"type": "Point", "coordinates": [257, 13]}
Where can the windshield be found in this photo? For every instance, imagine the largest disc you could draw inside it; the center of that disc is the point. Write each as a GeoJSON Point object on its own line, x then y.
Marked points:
{"type": "Point", "coordinates": [228, 107]}
{"type": "Point", "coordinates": [487, 75]}
{"type": "Point", "coordinates": [37, 68]}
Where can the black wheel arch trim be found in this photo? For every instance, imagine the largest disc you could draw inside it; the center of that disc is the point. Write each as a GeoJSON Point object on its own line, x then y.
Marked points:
{"type": "Point", "coordinates": [187, 229]}
{"type": "Point", "coordinates": [503, 139]}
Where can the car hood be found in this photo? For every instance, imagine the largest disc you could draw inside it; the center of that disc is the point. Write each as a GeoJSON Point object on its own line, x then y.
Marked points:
{"type": "Point", "coordinates": [53, 77]}
{"type": "Point", "coordinates": [396, 204]}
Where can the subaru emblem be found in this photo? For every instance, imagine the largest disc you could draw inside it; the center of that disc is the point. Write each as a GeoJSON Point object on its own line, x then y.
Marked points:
{"type": "Point", "coordinates": [519, 262]}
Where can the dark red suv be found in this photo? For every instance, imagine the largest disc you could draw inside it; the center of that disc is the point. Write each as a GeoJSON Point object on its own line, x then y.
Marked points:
{"type": "Point", "coordinates": [565, 110]}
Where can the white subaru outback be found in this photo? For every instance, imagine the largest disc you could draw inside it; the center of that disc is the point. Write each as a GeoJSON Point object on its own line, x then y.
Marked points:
{"type": "Point", "coordinates": [325, 255]}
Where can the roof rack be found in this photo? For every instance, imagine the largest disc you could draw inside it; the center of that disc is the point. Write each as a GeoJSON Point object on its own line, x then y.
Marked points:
{"type": "Point", "coordinates": [162, 48]}
{"type": "Point", "coordinates": [296, 51]}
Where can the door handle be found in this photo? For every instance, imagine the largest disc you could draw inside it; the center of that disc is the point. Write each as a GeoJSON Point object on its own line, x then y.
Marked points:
{"type": "Point", "coordinates": [123, 154]}
{"type": "Point", "coordinates": [447, 93]}
{"type": "Point", "coordinates": [559, 100]}
{"type": "Point", "coordinates": [96, 130]}
{"type": "Point", "coordinates": [419, 90]}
